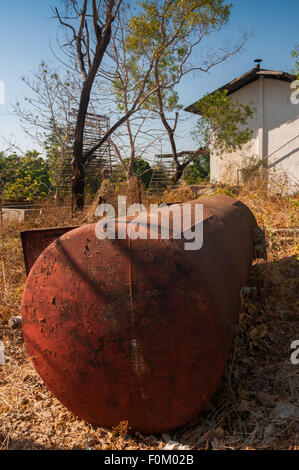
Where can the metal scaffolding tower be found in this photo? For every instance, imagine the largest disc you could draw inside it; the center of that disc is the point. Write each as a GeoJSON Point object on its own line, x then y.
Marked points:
{"type": "Point", "coordinates": [96, 126]}
{"type": "Point", "coordinates": [164, 170]}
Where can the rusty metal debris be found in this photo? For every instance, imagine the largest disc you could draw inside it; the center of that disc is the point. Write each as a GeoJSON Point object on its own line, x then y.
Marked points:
{"type": "Point", "coordinates": [36, 241]}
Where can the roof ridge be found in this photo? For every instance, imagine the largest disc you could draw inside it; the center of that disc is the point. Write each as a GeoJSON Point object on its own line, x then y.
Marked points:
{"type": "Point", "coordinates": [243, 80]}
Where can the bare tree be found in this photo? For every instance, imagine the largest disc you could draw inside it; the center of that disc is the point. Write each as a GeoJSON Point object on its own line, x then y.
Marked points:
{"type": "Point", "coordinates": [90, 40]}
{"type": "Point", "coordinates": [88, 43]}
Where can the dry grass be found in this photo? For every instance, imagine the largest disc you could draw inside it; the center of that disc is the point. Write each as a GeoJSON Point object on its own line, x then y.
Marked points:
{"type": "Point", "coordinates": [259, 375]}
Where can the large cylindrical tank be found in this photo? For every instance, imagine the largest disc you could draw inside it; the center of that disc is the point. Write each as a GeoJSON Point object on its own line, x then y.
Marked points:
{"type": "Point", "coordinates": [138, 330]}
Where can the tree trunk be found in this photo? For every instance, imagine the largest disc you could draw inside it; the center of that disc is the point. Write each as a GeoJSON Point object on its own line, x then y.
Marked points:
{"type": "Point", "coordinates": [79, 162]}
{"type": "Point", "coordinates": [78, 179]}
{"type": "Point", "coordinates": [78, 185]}
{"type": "Point", "coordinates": [178, 174]}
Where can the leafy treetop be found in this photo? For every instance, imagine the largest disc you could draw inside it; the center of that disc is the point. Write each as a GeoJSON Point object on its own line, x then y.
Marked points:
{"type": "Point", "coordinates": [223, 122]}
{"type": "Point", "coordinates": [24, 178]}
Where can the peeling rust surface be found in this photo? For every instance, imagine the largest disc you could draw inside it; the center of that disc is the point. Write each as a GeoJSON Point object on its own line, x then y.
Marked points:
{"type": "Point", "coordinates": [138, 330]}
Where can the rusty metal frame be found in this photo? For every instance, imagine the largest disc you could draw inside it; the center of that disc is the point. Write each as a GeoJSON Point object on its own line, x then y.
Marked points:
{"type": "Point", "coordinates": [35, 241]}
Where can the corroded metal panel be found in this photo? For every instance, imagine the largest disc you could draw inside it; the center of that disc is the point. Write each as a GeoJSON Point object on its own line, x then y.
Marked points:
{"type": "Point", "coordinates": [35, 241]}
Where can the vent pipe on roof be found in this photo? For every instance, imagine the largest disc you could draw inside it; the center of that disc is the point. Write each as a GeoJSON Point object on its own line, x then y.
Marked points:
{"type": "Point", "coordinates": [258, 63]}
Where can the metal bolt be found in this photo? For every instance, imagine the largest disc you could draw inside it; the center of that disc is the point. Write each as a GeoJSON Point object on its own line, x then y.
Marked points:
{"type": "Point", "coordinates": [248, 291]}
{"type": "Point", "coordinates": [15, 322]}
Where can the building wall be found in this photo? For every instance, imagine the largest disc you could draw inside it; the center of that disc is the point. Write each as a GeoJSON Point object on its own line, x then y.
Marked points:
{"type": "Point", "coordinates": [282, 127]}
{"type": "Point", "coordinates": [275, 137]}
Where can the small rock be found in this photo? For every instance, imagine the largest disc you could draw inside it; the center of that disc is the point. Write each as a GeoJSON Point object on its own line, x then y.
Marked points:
{"type": "Point", "coordinates": [285, 410]}
{"type": "Point", "coordinates": [173, 445]}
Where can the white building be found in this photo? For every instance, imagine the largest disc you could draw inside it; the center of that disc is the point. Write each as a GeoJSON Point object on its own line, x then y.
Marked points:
{"type": "Point", "coordinates": [275, 126]}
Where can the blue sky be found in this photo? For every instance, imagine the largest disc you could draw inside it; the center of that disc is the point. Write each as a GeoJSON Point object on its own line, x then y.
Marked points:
{"type": "Point", "coordinates": [26, 30]}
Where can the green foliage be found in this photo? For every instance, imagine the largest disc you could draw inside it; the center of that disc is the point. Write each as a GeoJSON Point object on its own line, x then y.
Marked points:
{"type": "Point", "coordinates": [198, 170]}
{"type": "Point", "coordinates": [295, 55]}
{"type": "Point", "coordinates": [223, 191]}
{"type": "Point", "coordinates": [181, 16]}
{"type": "Point", "coordinates": [141, 168]}
{"type": "Point", "coordinates": [223, 122]}
{"type": "Point", "coordinates": [24, 178]}
{"type": "Point", "coordinates": [166, 32]}
{"type": "Point", "coordinates": [294, 205]}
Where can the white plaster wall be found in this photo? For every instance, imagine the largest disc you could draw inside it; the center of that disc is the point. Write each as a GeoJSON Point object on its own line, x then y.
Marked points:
{"type": "Point", "coordinates": [273, 130]}
{"type": "Point", "coordinates": [282, 130]}
{"type": "Point", "coordinates": [224, 168]}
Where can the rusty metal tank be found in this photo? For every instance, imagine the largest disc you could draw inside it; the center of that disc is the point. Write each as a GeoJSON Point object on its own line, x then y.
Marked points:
{"type": "Point", "coordinates": [138, 330]}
